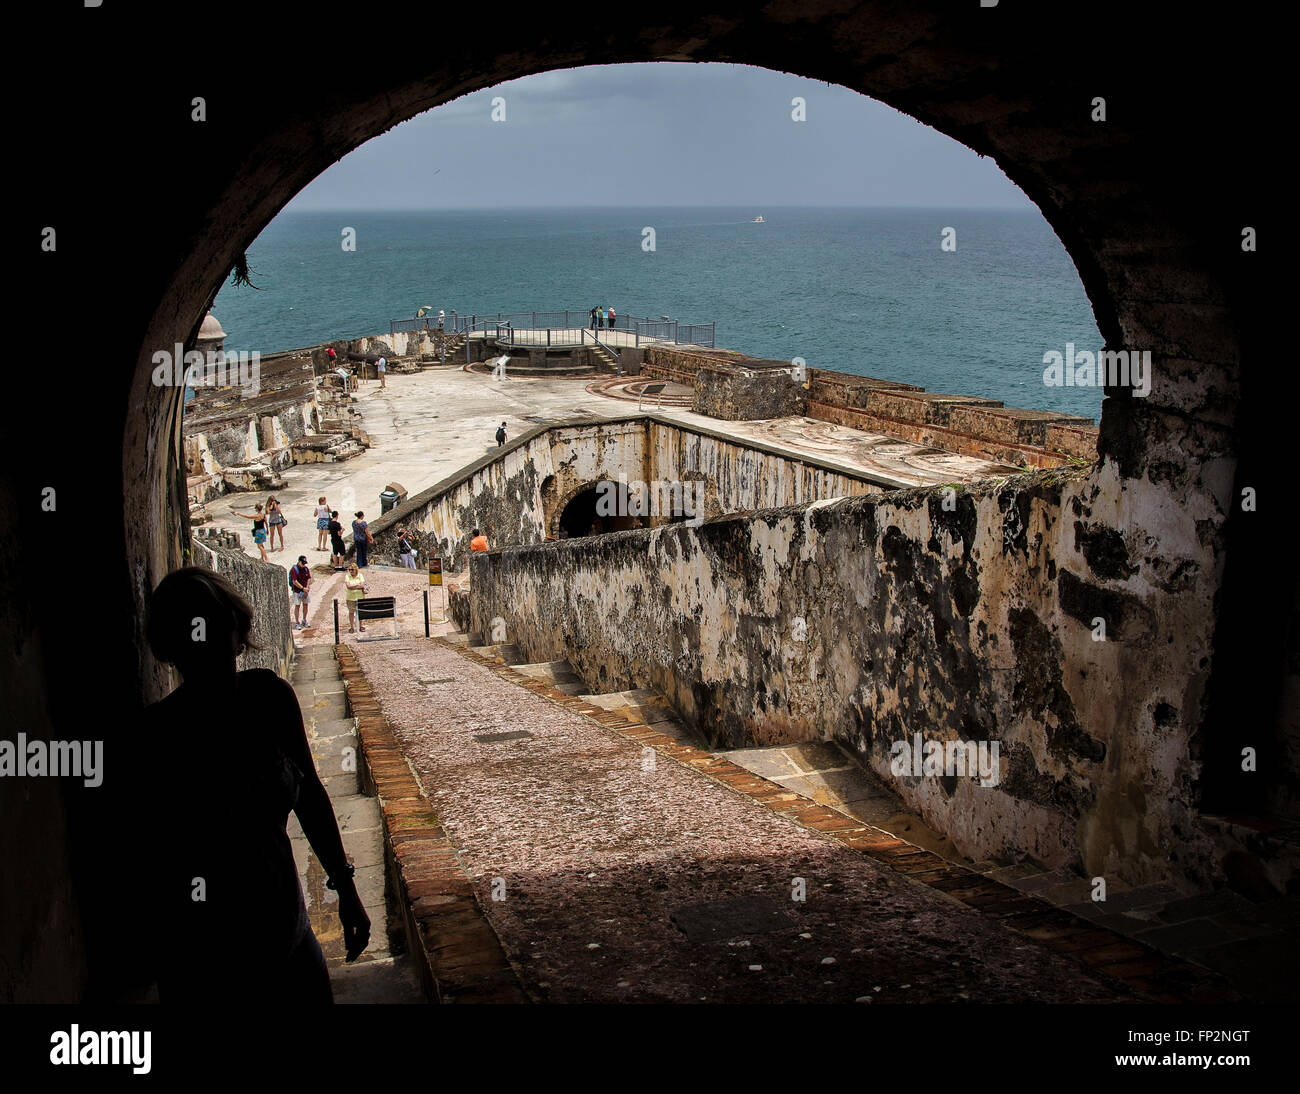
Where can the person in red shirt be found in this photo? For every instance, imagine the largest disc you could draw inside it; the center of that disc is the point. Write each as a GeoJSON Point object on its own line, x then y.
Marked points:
{"type": "Point", "coordinates": [479, 542]}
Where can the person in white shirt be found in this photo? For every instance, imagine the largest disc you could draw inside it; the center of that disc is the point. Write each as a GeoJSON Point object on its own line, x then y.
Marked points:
{"type": "Point", "coordinates": [322, 524]}
{"type": "Point", "coordinates": [382, 366]}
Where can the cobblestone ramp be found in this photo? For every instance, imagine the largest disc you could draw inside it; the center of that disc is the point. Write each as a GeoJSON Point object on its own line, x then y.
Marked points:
{"type": "Point", "coordinates": [612, 872]}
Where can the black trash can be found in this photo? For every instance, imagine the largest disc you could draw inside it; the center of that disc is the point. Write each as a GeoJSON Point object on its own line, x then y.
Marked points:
{"type": "Point", "coordinates": [388, 500]}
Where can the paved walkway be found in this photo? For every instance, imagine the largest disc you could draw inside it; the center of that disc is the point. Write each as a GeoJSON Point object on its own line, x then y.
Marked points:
{"type": "Point", "coordinates": [629, 877]}
{"type": "Point", "coordinates": [1253, 945]}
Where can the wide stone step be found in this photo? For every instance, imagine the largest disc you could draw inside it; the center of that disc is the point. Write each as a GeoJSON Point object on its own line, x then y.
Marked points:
{"type": "Point", "coordinates": [555, 673]}
{"type": "Point", "coordinates": [505, 653]}
{"type": "Point", "coordinates": [385, 980]}
{"type": "Point", "coordinates": [325, 729]}
{"type": "Point", "coordinates": [640, 704]}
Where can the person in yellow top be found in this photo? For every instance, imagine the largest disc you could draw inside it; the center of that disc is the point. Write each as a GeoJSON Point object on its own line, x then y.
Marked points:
{"type": "Point", "coordinates": [479, 542]}
{"type": "Point", "coordinates": [355, 582]}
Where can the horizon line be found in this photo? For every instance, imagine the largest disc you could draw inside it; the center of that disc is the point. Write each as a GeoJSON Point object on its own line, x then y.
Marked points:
{"type": "Point", "coordinates": [582, 208]}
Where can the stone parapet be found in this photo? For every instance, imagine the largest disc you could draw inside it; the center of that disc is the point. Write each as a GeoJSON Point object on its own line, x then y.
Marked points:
{"type": "Point", "coordinates": [266, 588]}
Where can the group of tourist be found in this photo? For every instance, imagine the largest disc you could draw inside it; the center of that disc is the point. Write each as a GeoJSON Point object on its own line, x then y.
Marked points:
{"type": "Point", "coordinates": [602, 317]}
{"type": "Point", "coordinates": [269, 515]}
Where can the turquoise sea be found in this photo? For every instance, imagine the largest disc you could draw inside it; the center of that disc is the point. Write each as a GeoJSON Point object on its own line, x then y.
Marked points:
{"type": "Point", "coordinates": [866, 291]}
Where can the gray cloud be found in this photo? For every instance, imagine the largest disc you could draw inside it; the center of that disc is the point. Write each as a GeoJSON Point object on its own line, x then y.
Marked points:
{"type": "Point", "coordinates": [661, 134]}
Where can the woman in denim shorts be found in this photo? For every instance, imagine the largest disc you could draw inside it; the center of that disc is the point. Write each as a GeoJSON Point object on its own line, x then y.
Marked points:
{"type": "Point", "coordinates": [322, 524]}
{"type": "Point", "coordinates": [259, 529]}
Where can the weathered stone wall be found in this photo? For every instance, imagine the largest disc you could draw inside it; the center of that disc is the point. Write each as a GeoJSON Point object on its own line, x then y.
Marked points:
{"type": "Point", "coordinates": [741, 393]}
{"type": "Point", "coordinates": [732, 386]}
{"type": "Point", "coordinates": [735, 477]}
{"type": "Point", "coordinates": [515, 495]}
{"type": "Point", "coordinates": [680, 365]}
{"type": "Point", "coordinates": [266, 587]}
{"type": "Point", "coordinates": [970, 426]}
{"type": "Point", "coordinates": [875, 618]}
{"type": "Point", "coordinates": [234, 425]}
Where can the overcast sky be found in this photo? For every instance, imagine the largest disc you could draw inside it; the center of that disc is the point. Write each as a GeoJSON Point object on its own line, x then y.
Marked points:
{"type": "Point", "coordinates": [661, 134]}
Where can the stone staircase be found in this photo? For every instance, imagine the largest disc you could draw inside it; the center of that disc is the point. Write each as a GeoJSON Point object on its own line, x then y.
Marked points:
{"type": "Point", "coordinates": [605, 357]}
{"type": "Point", "coordinates": [443, 351]}
{"type": "Point", "coordinates": [383, 973]}
{"type": "Point", "coordinates": [326, 448]}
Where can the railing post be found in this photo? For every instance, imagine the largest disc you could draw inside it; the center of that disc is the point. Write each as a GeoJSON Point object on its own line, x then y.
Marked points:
{"type": "Point", "coordinates": [548, 336]}
{"type": "Point", "coordinates": [426, 613]}
{"type": "Point", "coordinates": [336, 618]}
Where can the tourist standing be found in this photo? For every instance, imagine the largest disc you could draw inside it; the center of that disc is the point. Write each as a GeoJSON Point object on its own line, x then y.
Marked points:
{"type": "Point", "coordinates": [275, 518]}
{"type": "Point", "coordinates": [361, 538]}
{"type": "Point", "coordinates": [405, 548]}
{"type": "Point", "coordinates": [331, 358]}
{"type": "Point", "coordinates": [478, 542]}
{"type": "Point", "coordinates": [604, 316]}
{"type": "Point", "coordinates": [355, 583]}
{"type": "Point", "coordinates": [300, 583]}
{"type": "Point", "coordinates": [259, 529]}
{"type": "Point", "coordinates": [593, 318]}
{"type": "Point", "coordinates": [322, 524]}
{"type": "Point", "coordinates": [249, 937]}
{"type": "Point", "coordinates": [382, 366]}
{"type": "Point", "coordinates": [611, 317]}
{"type": "Point", "coordinates": [338, 548]}
{"type": "Point", "coordinates": [441, 316]}
{"type": "Point", "coordinates": [501, 434]}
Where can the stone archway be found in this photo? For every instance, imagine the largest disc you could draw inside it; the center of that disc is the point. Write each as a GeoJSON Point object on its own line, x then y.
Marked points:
{"type": "Point", "coordinates": [1160, 259]}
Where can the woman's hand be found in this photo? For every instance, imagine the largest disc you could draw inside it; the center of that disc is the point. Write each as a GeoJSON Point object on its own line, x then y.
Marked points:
{"type": "Point", "coordinates": [356, 924]}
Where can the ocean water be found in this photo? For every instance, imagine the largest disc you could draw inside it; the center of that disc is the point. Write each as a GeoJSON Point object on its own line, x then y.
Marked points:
{"type": "Point", "coordinates": [865, 291]}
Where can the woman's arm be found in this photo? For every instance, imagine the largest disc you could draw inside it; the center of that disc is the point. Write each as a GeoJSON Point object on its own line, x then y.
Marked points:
{"type": "Point", "coordinates": [319, 825]}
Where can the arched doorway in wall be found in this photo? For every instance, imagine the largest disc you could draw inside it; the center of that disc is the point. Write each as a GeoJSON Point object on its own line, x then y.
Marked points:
{"type": "Point", "coordinates": [595, 509]}
{"type": "Point", "coordinates": [1157, 260]}
{"type": "Point", "coordinates": [1169, 428]}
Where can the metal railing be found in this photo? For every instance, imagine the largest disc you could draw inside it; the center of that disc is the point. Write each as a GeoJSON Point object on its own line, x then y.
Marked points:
{"type": "Point", "coordinates": [643, 328]}
{"type": "Point", "coordinates": [551, 337]}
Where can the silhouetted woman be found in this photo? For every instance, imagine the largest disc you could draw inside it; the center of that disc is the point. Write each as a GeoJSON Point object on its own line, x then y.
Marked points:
{"type": "Point", "coordinates": [222, 761]}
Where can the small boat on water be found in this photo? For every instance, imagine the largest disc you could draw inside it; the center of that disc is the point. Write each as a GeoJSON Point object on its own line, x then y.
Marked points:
{"type": "Point", "coordinates": [759, 220]}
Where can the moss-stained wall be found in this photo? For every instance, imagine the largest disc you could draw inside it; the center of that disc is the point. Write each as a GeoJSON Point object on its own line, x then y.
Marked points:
{"type": "Point", "coordinates": [973, 614]}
